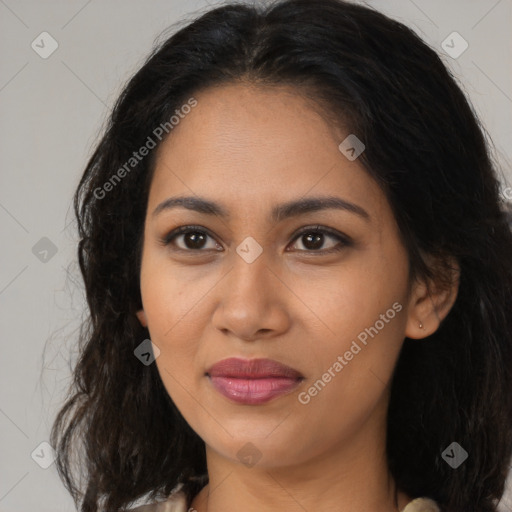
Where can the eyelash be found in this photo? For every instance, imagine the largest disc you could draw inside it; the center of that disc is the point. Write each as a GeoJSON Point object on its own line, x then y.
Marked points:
{"type": "Point", "coordinates": [344, 240]}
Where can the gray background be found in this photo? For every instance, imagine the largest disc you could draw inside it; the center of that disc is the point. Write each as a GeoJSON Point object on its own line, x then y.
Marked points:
{"type": "Point", "coordinates": [52, 111]}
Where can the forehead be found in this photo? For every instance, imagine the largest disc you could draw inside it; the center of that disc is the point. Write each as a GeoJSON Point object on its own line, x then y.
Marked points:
{"type": "Point", "coordinates": [246, 143]}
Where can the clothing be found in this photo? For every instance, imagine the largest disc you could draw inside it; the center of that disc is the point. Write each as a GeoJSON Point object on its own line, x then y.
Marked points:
{"type": "Point", "coordinates": [177, 503]}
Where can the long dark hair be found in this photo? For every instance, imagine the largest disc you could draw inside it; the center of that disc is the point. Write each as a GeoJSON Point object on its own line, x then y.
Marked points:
{"type": "Point", "coordinates": [426, 149]}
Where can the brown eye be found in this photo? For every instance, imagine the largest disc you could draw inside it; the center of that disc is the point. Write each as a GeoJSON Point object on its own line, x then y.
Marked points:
{"type": "Point", "coordinates": [194, 239]}
{"type": "Point", "coordinates": [314, 240]}
{"type": "Point", "coordinates": [190, 238]}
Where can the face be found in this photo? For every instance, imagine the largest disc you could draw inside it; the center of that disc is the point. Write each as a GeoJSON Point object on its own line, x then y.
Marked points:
{"type": "Point", "coordinates": [321, 289]}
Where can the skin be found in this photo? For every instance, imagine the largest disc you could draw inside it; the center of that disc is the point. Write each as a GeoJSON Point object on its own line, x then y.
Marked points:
{"type": "Point", "coordinates": [250, 148]}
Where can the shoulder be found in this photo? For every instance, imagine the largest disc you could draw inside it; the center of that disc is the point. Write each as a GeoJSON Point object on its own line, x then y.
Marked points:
{"type": "Point", "coordinates": [176, 502]}
{"type": "Point", "coordinates": [422, 505]}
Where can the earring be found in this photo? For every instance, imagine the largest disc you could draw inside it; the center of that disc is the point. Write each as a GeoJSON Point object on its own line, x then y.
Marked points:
{"type": "Point", "coordinates": [421, 325]}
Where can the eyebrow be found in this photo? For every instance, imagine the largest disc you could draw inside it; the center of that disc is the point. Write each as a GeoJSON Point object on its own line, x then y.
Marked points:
{"type": "Point", "coordinates": [279, 212]}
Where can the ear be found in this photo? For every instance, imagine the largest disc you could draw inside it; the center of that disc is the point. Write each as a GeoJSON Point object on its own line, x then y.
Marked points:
{"type": "Point", "coordinates": [431, 302]}
{"type": "Point", "coordinates": [142, 317]}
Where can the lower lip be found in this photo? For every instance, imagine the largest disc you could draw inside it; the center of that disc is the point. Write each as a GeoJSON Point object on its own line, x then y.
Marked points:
{"type": "Point", "coordinates": [253, 391]}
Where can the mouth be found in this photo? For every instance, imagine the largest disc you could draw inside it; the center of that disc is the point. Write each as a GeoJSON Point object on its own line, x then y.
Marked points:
{"type": "Point", "coordinates": [253, 381]}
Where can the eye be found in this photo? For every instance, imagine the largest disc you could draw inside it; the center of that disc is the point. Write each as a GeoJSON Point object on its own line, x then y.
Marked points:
{"type": "Point", "coordinates": [191, 238]}
{"type": "Point", "coordinates": [313, 239]}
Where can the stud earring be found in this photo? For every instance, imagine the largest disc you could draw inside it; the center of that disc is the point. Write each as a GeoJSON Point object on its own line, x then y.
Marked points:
{"type": "Point", "coordinates": [421, 325]}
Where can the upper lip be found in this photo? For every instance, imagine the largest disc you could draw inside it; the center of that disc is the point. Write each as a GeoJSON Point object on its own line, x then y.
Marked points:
{"type": "Point", "coordinates": [252, 369]}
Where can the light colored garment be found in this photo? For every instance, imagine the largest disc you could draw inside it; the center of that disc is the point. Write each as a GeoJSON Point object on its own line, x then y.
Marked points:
{"type": "Point", "coordinates": [422, 505]}
{"type": "Point", "coordinates": [177, 503]}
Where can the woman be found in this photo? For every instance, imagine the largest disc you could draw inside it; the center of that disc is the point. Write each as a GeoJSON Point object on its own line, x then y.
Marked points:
{"type": "Point", "coordinates": [298, 271]}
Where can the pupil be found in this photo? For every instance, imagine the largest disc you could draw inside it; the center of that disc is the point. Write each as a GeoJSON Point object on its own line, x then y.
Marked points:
{"type": "Point", "coordinates": [196, 239]}
{"type": "Point", "coordinates": [313, 240]}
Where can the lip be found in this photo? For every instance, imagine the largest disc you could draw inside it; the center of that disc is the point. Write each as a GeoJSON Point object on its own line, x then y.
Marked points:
{"type": "Point", "coordinates": [253, 381]}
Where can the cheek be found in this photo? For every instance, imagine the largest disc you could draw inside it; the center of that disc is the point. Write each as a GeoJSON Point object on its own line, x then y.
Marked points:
{"type": "Point", "coordinates": [174, 314]}
{"type": "Point", "coordinates": [178, 364]}
{"type": "Point", "coordinates": [361, 319]}
{"type": "Point", "coordinates": [172, 300]}
{"type": "Point", "coordinates": [347, 300]}
{"type": "Point", "coordinates": [351, 380]}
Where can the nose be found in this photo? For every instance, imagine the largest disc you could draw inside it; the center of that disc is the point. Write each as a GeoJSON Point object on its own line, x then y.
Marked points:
{"type": "Point", "coordinates": [252, 301]}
